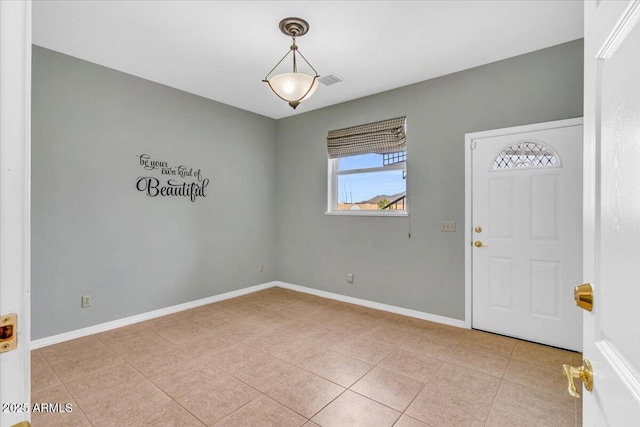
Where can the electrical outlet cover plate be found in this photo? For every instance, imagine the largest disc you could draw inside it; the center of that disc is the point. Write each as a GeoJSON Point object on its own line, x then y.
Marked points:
{"type": "Point", "coordinates": [86, 301]}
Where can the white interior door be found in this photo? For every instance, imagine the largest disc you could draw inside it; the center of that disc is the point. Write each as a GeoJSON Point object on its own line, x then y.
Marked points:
{"type": "Point", "coordinates": [612, 211]}
{"type": "Point", "coordinates": [15, 84]}
{"type": "Point", "coordinates": [526, 231]}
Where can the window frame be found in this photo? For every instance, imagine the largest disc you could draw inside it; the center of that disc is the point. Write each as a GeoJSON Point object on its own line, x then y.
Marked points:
{"type": "Point", "coordinates": [332, 189]}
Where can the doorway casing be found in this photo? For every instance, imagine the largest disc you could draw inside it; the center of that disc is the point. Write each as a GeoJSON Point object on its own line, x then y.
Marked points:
{"type": "Point", "coordinates": [15, 184]}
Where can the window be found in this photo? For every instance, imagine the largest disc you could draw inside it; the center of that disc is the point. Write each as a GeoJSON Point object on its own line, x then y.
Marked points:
{"type": "Point", "coordinates": [368, 169]}
{"type": "Point", "coordinates": [525, 155]}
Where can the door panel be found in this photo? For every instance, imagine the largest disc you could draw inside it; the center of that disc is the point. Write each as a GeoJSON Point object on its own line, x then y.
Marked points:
{"type": "Point", "coordinates": [526, 194]}
{"type": "Point", "coordinates": [502, 200]}
{"type": "Point", "coordinates": [501, 279]}
{"type": "Point", "coordinates": [544, 207]}
{"type": "Point", "coordinates": [544, 288]}
{"type": "Point", "coordinates": [612, 211]}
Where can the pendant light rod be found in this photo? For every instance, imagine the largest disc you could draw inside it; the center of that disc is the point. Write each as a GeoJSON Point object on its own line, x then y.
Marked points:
{"type": "Point", "coordinates": [311, 66]}
{"type": "Point", "coordinates": [294, 49]}
{"type": "Point", "coordinates": [276, 66]}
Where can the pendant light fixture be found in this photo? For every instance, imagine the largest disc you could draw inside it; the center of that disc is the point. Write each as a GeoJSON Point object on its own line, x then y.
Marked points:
{"type": "Point", "coordinates": [293, 87]}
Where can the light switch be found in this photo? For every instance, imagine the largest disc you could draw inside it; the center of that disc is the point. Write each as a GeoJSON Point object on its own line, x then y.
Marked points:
{"type": "Point", "coordinates": [448, 226]}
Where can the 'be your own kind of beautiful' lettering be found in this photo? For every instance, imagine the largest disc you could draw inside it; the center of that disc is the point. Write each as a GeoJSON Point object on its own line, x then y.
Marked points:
{"type": "Point", "coordinates": [153, 187]}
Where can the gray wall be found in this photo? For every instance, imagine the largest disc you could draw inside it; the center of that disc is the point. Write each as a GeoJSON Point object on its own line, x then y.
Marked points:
{"type": "Point", "coordinates": [424, 272]}
{"type": "Point", "coordinates": [94, 233]}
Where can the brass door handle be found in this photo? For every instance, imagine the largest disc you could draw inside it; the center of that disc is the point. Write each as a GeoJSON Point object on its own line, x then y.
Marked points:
{"type": "Point", "coordinates": [478, 244]}
{"type": "Point", "coordinates": [584, 373]}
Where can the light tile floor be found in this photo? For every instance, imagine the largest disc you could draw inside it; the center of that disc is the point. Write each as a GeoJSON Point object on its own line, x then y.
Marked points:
{"type": "Point", "coordinates": [282, 358]}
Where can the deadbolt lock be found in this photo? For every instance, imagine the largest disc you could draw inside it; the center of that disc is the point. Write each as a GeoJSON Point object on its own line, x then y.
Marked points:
{"type": "Point", "coordinates": [583, 295]}
{"type": "Point", "coordinates": [8, 332]}
{"type": "Point", "coordinates": [478, 229]}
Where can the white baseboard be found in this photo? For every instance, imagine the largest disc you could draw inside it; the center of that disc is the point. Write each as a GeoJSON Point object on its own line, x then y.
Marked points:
{"type": "Point", "coordinates": [107, 326]}
{"type": "Point", "coordinates": [102, 327]}
{"type": "Point", "coordinates": [376, 305]}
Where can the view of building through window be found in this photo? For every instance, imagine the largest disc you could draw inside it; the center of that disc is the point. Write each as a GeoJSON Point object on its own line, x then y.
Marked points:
{"type": "Point", "coordinates": [372, 182]}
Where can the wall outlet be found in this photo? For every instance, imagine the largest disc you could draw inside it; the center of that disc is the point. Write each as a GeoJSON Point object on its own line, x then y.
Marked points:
{"type": "Point", "coordinates": [86, 301]}
{"type": "Point", "coordinates": [448, 226]}
{"type": "Point", "coordinates": [260, 268]}
{"type": "Point", "coordinates": [350, 277]}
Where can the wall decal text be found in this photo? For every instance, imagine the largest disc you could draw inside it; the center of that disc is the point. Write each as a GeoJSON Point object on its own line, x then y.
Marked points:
{"type": "Point", "coordinates": [179, 181]}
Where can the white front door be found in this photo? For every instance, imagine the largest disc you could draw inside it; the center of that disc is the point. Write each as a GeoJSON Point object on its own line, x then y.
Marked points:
{"type": "Point", "coordinates": [612, 211]}
{"type": "Point", "coordinates": [526, 232]}
{"type": "Point", "coordinates": [15, 84]}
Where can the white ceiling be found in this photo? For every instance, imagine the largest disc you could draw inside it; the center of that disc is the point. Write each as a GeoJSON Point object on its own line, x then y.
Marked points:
{"type": "Point", "coordinates": [223, 49]}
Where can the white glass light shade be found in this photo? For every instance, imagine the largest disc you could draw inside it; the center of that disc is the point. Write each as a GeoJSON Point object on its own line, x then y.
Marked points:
{"type": "Point", "coordinates": [292, 87]}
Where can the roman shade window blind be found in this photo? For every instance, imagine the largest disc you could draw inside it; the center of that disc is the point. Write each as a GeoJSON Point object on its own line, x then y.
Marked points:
{"type": "Point", "coordinates": [386, 136]}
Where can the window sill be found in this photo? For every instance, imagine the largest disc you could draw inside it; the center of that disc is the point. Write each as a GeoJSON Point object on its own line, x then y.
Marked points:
{"type": "Point", "coordinates": [365, 213]}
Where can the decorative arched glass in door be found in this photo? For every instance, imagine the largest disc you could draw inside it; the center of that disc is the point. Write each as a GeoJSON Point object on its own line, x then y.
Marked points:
{"type": "Point", "coordinates": [526, 155]}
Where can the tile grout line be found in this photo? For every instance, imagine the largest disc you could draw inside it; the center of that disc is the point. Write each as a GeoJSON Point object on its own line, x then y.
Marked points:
{"type": "Point", "coordinates": [168, 395]}
{"type": "Point", "coordinates": [423, 388]}
{"type": "Point", "coordinates": [65, 388]}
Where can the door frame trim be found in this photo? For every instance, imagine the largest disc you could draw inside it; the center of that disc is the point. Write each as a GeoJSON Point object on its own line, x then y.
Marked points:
{"type": "Point", "coordinates": [15, 203]}
{"type": "Point", "coordinates": [469, 142]}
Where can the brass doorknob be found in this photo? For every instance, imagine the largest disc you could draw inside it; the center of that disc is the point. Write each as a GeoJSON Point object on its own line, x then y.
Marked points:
{"type": "Point", "coordinates": [584, 373]}
{"type": "Point", "coordinates": [478, 244]}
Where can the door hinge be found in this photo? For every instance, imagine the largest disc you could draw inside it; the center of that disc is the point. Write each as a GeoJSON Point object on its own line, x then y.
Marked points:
{"type": "Point", "coordinates": [472, 145]}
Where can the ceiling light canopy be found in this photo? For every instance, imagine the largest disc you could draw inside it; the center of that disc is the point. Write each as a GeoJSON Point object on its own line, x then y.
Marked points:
{"type": "Point", "coordinates": [293, 87]}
